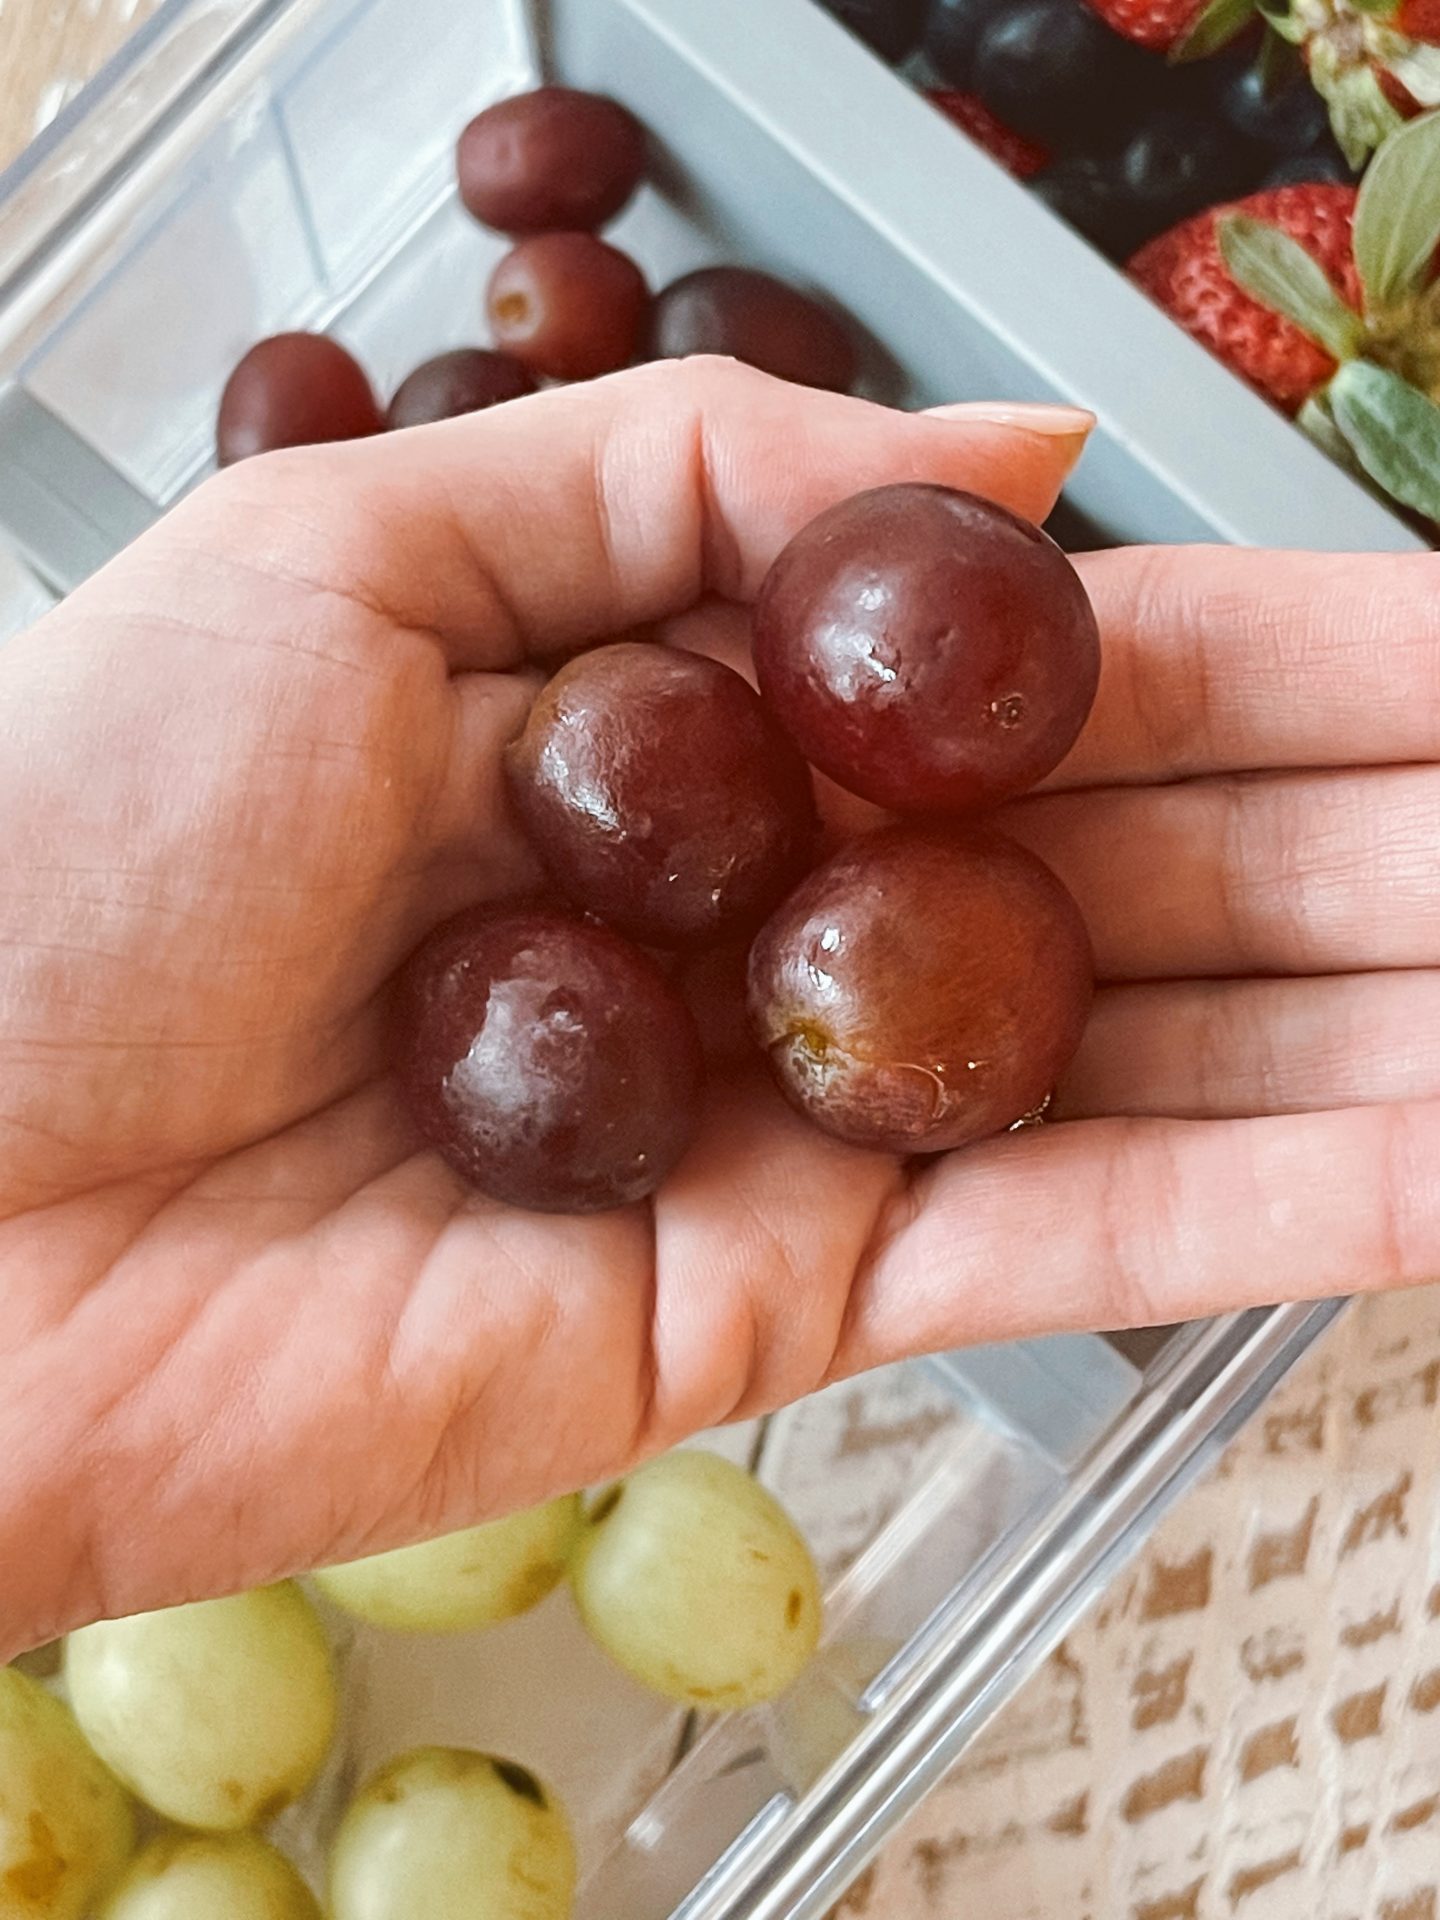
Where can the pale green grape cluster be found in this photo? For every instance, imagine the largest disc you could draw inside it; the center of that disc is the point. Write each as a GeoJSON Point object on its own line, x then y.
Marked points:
{"type": "Point", "coordinates": [452, 1835]}
{"type": "Point", "coordinates": [66, 1827]}
{"type": "Point", "coordinates": [696, 1581]}
{"type": "Point", "coordinates": [210, 1876]}
{"type": "Point", "coordinates": [216, 1714]}
{"type": "Point", "coordinates": [466, 1580]}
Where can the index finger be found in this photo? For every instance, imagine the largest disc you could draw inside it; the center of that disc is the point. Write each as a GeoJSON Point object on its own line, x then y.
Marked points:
{"type": "Point", "coordinates": [581, 512]}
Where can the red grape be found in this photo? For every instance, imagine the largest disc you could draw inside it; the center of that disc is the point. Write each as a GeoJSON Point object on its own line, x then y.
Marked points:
{"type": "Point", "coordinates": [465, 381]}
{"type": "Point", "coordinates": [567, 305]}
{"type": "Point", "coordinates": [293, 390]}
{"type": "Point", "coordinates": [547, 1060]}
{"type": "Point", "coordinates": [923, 988]}
{"type": "Point", "coordinates": [552, 159]}
{"type": "Point", "coordinates": [927, 649]}
{"type": "Point", "coordinates": [755, 318]}
{"type": "Point", "coordinates": [660, 794]}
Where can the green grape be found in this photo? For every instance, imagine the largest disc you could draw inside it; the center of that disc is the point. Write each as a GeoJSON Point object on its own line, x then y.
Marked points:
{"type": "Point", "coordinates": [466, 1580]}
{"type": "Point", "coordinates": [452, 1835]}
{"type": "Point", "coordinates": [66, 1827]}
{"type": "Point", "coordinates": [216, 1714]}
{"type": "Point", "coordinates": [695, 1579]}
{"type": "Point", "coordinates": [208, 1876]}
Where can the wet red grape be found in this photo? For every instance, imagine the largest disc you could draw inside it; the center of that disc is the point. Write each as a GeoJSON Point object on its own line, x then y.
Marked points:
{"type": "Point", "coordinates": [548, 160]}
{"type": "Point", "coordinates": [661, 795]}
{"type": "Point", "coordinates": [927, 649]}
{"type": "Point", "coordinates": [293, 390]}
{"type": "Point", "coordinates": [548, 1061]}
{"type": "Point", "coordinates": [567, 305]}
{"type": "Point", "coordinates": [923, 988]}
{"type": "Point", "coordinates": [755, 318]}
{"type": "Point", "coordinates": [465, 381]}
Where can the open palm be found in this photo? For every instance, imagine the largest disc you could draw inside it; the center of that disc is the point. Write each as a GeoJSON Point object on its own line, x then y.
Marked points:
{"type": "Point", "coordinates": [249, 1325]}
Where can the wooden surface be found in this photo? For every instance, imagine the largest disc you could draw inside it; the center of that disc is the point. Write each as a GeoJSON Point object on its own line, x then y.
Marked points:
{"type": "Point", "coordinates": [1248, 1726]}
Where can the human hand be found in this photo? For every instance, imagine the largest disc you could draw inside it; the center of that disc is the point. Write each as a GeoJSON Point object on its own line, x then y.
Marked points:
{"type": "Point", "coordinates": [250, 1327]}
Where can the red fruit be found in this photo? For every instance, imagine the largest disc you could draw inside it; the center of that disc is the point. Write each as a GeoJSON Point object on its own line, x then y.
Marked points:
{"type": "Point", "coordinates": [1024, 158]}
{"type": "Point", "coordinates": [1184, 273]}
{"type": "Point", "coordinates": [293, 390]}
{"type": "Point", "coordinates": [567, 305]}
{"type": "Point", "coordinates": [1420, 19]}
{"type": "Point", "coordinates": [1158, 24]}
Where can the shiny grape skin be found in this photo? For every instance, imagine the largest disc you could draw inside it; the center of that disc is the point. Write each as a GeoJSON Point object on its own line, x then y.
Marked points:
{"type": "Point", "coordinates": [924, 988]}
{"type": "Point", "coordinates": [293, 390]}
{"type": "Point", "coordinates": [553, 159]}
{"type": "Point", "coordinates": [756, 318]}
{"type": "Point", "coordinates": [567, 305]}
{"type": "Point", "coordinates": [928, 650]}
{"type": "Point", "coordinates": [465, 381]}
{"type": "Point", "coordinates": [549, 1062]}
{"type": "Point", "coordinates": [660, 794]}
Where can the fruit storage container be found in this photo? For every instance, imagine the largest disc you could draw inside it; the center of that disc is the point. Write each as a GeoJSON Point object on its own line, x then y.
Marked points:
{"type": "Point", "coordinates": [249, 165]}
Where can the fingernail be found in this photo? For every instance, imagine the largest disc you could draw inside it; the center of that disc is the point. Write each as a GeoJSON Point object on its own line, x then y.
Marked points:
{"type": "Point", "coordinates": [1063, 423]}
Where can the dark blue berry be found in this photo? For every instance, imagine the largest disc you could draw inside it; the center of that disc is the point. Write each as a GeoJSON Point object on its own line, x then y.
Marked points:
{"type": "Point", "coordinates": [1179, 164]}
{"type": "Point", "coordinates": [1325, 163]}
{"type": "Point", "coordinates": [1289, 118]}
{"type": "Point", "coordinates": [952, 33]}
{"type": "Point", "coordinates": [1089, 194]}
{"type": "Point", "coordinates": [1052, 70]}
{"type": "Point", "coordinates": [890, 27]}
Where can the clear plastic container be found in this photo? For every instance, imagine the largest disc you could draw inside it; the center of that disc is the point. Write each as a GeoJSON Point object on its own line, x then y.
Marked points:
{"type": "Point", "coordinates": [255, 164]}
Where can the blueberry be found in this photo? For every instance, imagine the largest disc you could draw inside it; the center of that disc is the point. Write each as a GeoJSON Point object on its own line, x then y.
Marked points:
{"type": "Point", "coordinates": [890, 27]}
{"type": "Point", "coordinates": [1052, 70]}
{"type": "Point", "coordinates": [1290, 118]}
{"type": "Point", "coordinates": [1090, 195]}
{"type": "Point", "coordinates": [1179, 163]}
{"type": "Point", "coordinates": [1324, 163]}
{"type": "Point", "coordinates": [952, 32]}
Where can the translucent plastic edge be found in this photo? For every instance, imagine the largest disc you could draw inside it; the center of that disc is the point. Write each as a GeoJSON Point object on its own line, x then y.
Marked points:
{"type": "Point", "coordinates": [979, 1648]}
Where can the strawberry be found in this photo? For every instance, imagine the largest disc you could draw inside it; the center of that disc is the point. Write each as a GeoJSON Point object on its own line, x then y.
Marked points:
{"type": "Point", "coordinates": [1024, 158]}
{"type": "Point", "coordinates": [1184, 271]}
{"type": "Point", "coordinates": [1161, 25]}
{"type": "Point", "coordinates": [1327, 299]}
{"type": "Point", "coordinates": [1375, 62]}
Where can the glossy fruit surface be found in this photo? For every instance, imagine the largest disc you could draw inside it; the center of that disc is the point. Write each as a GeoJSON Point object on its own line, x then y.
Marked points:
{"type": "Point", "coordinates": [465, 381]}
{"type": "Point", "coordinates": [924, 988]}
{"type": "Point", "coordinates": [293, 390]}
{"type": "Point", "coordinates": [567, 305]}
{"type": "Point", "coordinates": [756, 318]}
{"type": "Point", "coordinates": [210, 1876]}
{"type": "Point", "coordinates": [926, 648]}
{"type": "Point", "coordinates": [661, 795]}
{"type": "Point", "coordinates": [464, 1580]}
{"type": "Point", "coordinates": [1088, 193]}
{"type": "Point", "coordinates": [1289, 118]}
{"type": "Point", "coordinates": [216, 1714]}
{"type": "Point", "coordinates": [553, 159]}
{"type": "Point", "coordinates": [695, 1579]}
{"type": "Point", "coordinates": [1052, 71]}
{"type": "Point", "coordinates": [444, 1834]}
{"type": "Point", "coordinates": [66, 1827]}
{"type": "Point", "coordinates": [890, 27]}
{"type": "Point", "coordinates": [547, 1060]}
{"type": "Point", "coordinates": [1179, 162]}
{"type": "Point", "coordinates": [952, 33]}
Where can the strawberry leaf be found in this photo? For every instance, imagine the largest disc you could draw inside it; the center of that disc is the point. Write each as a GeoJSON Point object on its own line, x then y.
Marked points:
{"type": "Point", "coordinates": [1316, 419]}
{"type": "Point", "coordinates": [1418, 71]}
{"type": "Point", "coordinates": [1282, 276]}
{"type": "Point", "coordinates": [1281, 21]}
{"type": "Point", "coordinates": [1397, 217]}
{"type": "Point", "coordinates": [1217, 25]}
{"type": "Point", "coordinates": [1394, 430]}
{"type": "Point", "coordinates": [1360, 115]}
